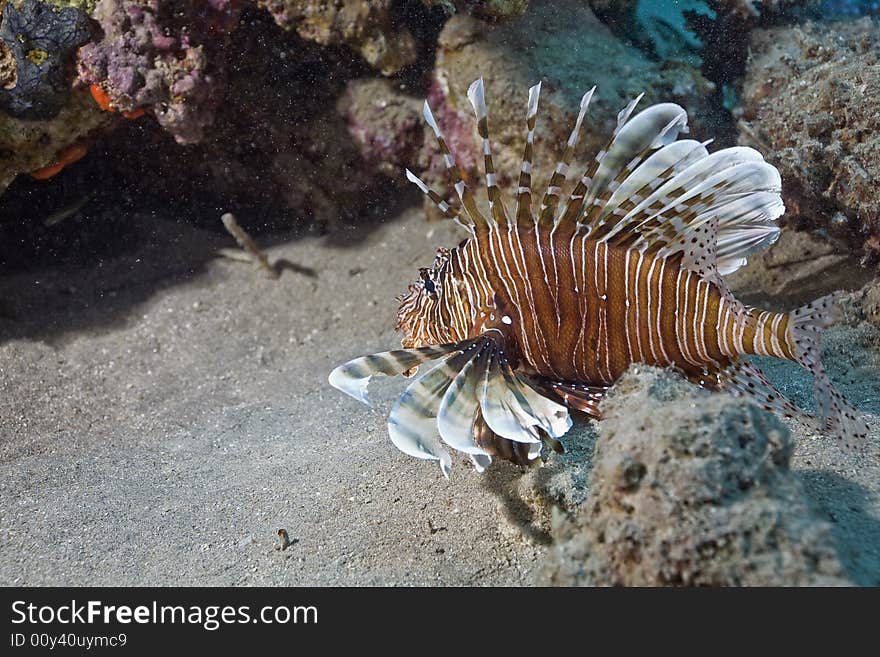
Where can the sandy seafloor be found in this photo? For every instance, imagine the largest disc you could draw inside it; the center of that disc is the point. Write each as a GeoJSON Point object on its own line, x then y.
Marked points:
{"type": "Point", "coordinates": [163, 411]}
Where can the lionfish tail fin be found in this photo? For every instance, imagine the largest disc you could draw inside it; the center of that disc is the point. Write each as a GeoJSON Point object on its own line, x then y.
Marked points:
{"type": "Point", "coordinates": [806, 326]}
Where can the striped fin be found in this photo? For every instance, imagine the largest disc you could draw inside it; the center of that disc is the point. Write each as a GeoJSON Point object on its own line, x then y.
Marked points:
{"type": "Point", "coordinates": [448, 211]}
{"type": "Point", "coordinates": [664, 196]}
{"type": "Point", "coordinates": [496, 446]}
{"type": "Point", "coordinates": [662, 165]}
{"type": "Point", "coordinates": [554, 188]}
{"type": "Point", "coordinates": [524, 191]}
{"type": "Point", "coordinates": [756, 185]}
{"type": "Point", "coordinates": [576, 198]}
{"type": "Point", "coordinates": [639, 131]}
{"type": "Point", "coordinates": [477, 96]}
{"type": "Point", "coordinates": [580, 396]}
{"type": "Point", "coordinates": [553, 418]}
{"type": "Point", "coordinates": [652, 128]}
{"type": "Point", "coordinates": [460, 405]}
{"type": "Point", "coordinates": [411, 423]}
{"type": "Point", "coordinates": [502, 412]}
{"type": "Point", "coordinates": [353, 377]}
{"type": "Point", "coordinates": [452, 169]}
{"type": "Point", "coordinates": [734, 186]}
{"type": "Point", "coordinates": [742, 378]}
{"type": "Point", "coordinates": [806, 326]}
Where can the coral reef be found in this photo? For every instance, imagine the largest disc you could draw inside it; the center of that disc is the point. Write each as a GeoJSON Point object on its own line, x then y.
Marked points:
{"type": "Point", "coordinates": [492, 9]}
{"type": "Point", "coordinates": [711, 33]}
{"type": "Point", "coordinates": [692, 489]}
{"type": "Point", "coordinates": [27, 146]}
{"type": "Point", "coordinates": [810, 104]}
{"type": "Point", "coordinates": [165, 57]}
{"type": "Point", "coordinates": [368, 28]}
{"type": "Point", "coordinates": [547, 44]}
{"type": "Point", "coordinates": [385, 125]}
{"type": "Point", "coordinates": [39, 41]}
{"type": "Point", "coordinates": [285, 152]}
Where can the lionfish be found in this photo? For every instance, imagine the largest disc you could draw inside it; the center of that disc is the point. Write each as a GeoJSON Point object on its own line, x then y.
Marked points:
{"type": "Point", "coordinates": [539, 312]}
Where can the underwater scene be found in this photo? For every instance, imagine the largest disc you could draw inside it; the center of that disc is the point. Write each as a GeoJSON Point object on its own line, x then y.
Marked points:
{"type": "Point", "coordinates": [439, 293]}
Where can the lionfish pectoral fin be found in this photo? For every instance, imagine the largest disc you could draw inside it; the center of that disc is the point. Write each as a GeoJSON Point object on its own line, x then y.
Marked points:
{"type": "Point", "coordinates": [488, 411]}
{"type": "Point", "coordinates": [460, 405]}
{"type": "Point", "coordinates": [806, 325]}
{"type": "Point", "coordinates": [412, 422]}
{"type": "Point", "coordinates": [354, 377]}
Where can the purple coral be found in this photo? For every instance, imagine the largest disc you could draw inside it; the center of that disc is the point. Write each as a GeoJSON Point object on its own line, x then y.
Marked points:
{"type": "Point", "coordinates": [164, 58]}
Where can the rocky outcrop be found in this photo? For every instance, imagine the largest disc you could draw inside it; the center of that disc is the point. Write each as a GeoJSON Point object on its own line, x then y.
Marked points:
{"type": "Point", "coordinates": [367, 28]}
{"type": "Point", "coordinates": [163, 57]}
{"type": "Point", "coordinates": [690, 488]}
{"type": "Point", "coordinates": [810, 101]}
{"type": "Point", "coordinates": [38, 43]}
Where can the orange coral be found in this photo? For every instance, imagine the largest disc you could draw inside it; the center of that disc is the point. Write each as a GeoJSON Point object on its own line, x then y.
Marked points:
{"type": "Point", "coordinates": [103, 99]}
{"type": "Point", "coordinates": [68, 156]}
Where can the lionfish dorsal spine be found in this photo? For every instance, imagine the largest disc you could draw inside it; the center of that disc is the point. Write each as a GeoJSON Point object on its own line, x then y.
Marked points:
{"type": "Point", "coordinates": [524, 190]}
{"type": "Point", "coordinates": [554, 188]}
{"type": "Point", "coordinates": [464, 193]}
{"type": "Point", "coordinates": [477, 96]}
{"type": "Point", "coordinates": [576, 199]}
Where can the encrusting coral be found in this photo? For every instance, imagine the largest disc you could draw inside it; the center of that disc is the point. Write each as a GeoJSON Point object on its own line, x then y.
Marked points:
{"type": "Point", "coordinates": [367, 28]}
{"type": "Point", "coordinates": [164, 57]}
{"type": "Point", "coordinates": [810, 102]}
{"type": "Point", "coordinates": [39, 42]}
{"type": "Point", "coordinates": [691, 490]}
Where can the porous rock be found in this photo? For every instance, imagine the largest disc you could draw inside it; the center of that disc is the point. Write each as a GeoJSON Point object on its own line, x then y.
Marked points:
{"type": "Point", "coordinates": [691, 488]}
{"type": "Point", "coordinates": [166, 57]}
{"type": "Point", "coordinates": [489, 9]}
{"type": "Point", "coordinates": [384, 123]}
{"type": "Point", "coordinates": [36, 56]}
{"type": "Point", "coordinates": [810, 101]}
{"type": "Point", "coordinates": [27, 146]}
{"type": "Point", "coordinates": [367, 28]}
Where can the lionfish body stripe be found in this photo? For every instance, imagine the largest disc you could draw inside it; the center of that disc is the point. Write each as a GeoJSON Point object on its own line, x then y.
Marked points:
{"type": "Point", "coordinates": [542, 309]}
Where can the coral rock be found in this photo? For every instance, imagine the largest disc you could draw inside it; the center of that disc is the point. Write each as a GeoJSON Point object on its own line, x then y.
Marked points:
{"type": "Point", "coordinates": [167, 57]}
{"type": "Point", "coordinates": [494, 9]}
{"type": "Point", "coordinates": [283, 152]}
{"type": "Point", "coordinates": [38, 42]}
{"type": "Point", "coordinates": [811, 105]}
{"type": "Point", "coordinates": [385, 125]}
{"type": "Point", "coordinates": [27, 146]}
{"type": "Point", "coordinates": [690, 488]}
{"type": "Point", "coordinates": [366, 27]}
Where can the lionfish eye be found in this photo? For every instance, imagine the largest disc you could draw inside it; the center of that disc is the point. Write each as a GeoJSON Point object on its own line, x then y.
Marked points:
{"type": "Point", "coordinates": [430, 287]}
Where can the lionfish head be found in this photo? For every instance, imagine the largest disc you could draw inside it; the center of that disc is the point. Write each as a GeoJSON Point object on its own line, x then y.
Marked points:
{"type": "Point", "coordinates": [418, 317]}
